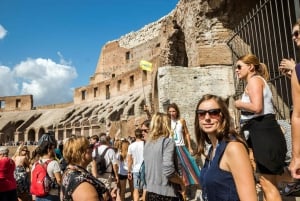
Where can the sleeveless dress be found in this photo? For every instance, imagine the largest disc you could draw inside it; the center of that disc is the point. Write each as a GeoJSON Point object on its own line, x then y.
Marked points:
{"type": "Point", "coordinates": [217, 184]}
{"type": "Point", "coordinates": [188, 167]}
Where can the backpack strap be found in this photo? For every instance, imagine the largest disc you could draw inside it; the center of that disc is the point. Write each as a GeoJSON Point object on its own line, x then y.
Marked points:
{"type": "Point", "coordinates": [103, 155]}
{"type": "Point", "coordinates": [44, 164]}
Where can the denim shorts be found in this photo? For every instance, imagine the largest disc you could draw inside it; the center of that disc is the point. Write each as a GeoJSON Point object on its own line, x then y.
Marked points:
{"type": "Point", "coordinates": [135, 181]}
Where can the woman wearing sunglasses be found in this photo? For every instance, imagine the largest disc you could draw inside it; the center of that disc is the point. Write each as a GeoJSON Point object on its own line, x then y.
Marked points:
{"type": "Point", "coordinates": [293, 71]}
{"type": "Point", "coordinates": [288, 65]}
{"type": "Point", "coordinates": [227, 173]}
{"type": "Point", "coordinates": [258, 124]}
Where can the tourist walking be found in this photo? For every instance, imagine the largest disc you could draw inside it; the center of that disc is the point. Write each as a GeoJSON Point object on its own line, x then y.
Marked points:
{"type": "Point", "coordinates": [134, 161]}
{"type": "Point", "coordinates": [122, 176]}
{"type": "Point", "coordinates": [161, 165]}
{"type": "Point", "coordinates": [108, 175]}
{"type": "Point", "coordinates": [45, 150]}
{"type": "Point", "coordinates": [8, 185]}
{"type": "Point", "coordinates": [22, 172]}
{"type": "Point", "coordinates": [258, 124]}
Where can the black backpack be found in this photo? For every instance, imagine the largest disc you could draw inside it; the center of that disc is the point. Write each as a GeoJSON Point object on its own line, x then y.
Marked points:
{"type": "Point", "coordinates": [101, 162]}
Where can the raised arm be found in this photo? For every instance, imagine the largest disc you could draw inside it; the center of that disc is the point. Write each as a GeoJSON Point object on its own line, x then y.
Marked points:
{"type": "Point", "coordinates": [295, 162]}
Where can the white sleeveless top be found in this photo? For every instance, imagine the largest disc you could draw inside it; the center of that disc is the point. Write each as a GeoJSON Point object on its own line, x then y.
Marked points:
{"type": "Point", "coordinates": [268, 105]}
{"type": "Point", "coordinates": [177, 129]}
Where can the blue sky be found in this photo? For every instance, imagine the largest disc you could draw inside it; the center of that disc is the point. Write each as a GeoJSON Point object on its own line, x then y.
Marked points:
{"type": "Point", "coordinates": [50, 47]}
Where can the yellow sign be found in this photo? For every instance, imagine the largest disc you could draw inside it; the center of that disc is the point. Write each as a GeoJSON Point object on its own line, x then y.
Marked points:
{"type": "Point", "coordinates": [145, 65]}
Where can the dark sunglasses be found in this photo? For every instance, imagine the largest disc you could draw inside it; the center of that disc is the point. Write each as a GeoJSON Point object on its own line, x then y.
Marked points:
{"type": "Point", "coordinates": [213, 113]}
{"type": "Point", "coordinates": [239, 67]}
{"type": "Point", "coordinates": [296, 34]}
{"type": "Point", "coordinates": [145, 130]}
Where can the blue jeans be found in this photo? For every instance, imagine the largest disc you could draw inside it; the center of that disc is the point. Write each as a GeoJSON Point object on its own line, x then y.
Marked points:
{"type": "Point", "coordinates": [48, 198]}
{"type": "Point", "coordinates": [135, 181]}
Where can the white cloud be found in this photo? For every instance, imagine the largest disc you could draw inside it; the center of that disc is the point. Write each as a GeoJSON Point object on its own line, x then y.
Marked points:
{"type": "Point", "coordinates": [47, 81]}
{"type": "Point", "coordinates": [3, 32]}
{"type": "Point", "coordinates": [8, 84]}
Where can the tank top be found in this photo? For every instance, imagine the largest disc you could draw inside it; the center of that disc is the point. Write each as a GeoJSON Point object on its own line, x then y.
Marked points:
{"type": "Point", "coordinates": [216, 183]}
{"type": "Point", "coordinates": [267, 105]}
{"type": "Point", "coordinates": [177, 129]}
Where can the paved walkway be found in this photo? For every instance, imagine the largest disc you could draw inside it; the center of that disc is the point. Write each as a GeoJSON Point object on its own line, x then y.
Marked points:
{"type": "Point", "coordinates": [197, 196]}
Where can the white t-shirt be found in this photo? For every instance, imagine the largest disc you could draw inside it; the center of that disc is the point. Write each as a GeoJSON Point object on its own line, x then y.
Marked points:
{"type": "Point", "coordinates": [52, 167]}
{"type": "Point", "coordinates": [110, 156]}
{"type": "Point", "coordinates": [136, 150]}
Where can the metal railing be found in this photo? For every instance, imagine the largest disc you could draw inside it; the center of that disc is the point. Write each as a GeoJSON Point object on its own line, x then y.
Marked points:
{"type": "Point", "coordinates": [266, 32]}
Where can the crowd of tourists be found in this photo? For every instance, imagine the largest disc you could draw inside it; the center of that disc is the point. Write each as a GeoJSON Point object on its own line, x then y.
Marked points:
{"type": "Point", "coordinates": [158, 163]}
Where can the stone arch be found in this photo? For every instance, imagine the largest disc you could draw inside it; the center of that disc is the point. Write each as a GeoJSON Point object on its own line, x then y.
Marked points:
{"type": "Point", "coordinates": [116, 115]}
{"type": "Point", "coordinates": [19, 132]}
{"type": "Point", "coordinates": [31, 135]}
{"type": "Point", "coordinates": [19, 123]}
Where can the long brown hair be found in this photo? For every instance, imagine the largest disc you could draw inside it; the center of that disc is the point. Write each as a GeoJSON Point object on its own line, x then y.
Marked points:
{"type": "Point", "coordinates": [176, 108]}
{"type": "Point", "coordinates": [224, 132]}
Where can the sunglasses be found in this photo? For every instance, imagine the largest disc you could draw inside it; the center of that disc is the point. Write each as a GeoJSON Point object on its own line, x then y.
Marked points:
{"type": "Point", "coordinates": [296, 34]}
{"type": "Point", "coordinates": [145, 130]}
{"type": "Point", "coordinates": [239, 67]}
{"type": "Point", "coordinates": [213, 113]}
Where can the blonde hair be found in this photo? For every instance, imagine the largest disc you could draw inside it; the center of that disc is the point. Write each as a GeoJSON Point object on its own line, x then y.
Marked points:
{"type": "Point", "coordinates": [160, 126]}
{"type": "Point", "coordinates": [75, 149]}
{"type": "Point", "coordinates": [19, 151]}
{"type": "Point", "coordinates": [260, 68]}
{"type": "Point", "coordinates": [117, 144]}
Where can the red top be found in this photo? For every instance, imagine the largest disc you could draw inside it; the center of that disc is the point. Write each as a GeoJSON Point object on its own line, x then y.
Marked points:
{"type": "Point", "coordinates": [7, 180]}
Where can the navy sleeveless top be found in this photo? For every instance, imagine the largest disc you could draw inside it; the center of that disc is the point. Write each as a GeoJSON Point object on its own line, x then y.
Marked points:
{"type": "Point", "coordinates": [217, 184]}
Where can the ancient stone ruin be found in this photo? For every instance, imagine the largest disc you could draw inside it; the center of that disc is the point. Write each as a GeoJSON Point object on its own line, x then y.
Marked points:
{"type": "Point", "coordinates": [190, 57]}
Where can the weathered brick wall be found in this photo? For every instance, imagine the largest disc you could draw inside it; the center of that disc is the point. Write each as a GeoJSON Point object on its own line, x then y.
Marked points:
{"type": "Point", "coordinates": [118, 86]}
{"type": "Point", "coordinates": [16, 103]}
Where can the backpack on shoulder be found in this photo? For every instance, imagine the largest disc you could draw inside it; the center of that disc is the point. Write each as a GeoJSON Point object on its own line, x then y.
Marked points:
{"type": "Point", "coordinates": [101, 162]}
{"type": "Point", "coordinates": [41, 182]}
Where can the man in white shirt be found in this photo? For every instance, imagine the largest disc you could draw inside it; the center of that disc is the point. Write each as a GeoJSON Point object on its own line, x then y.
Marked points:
{"type": "Point", "coordinates": [135, 159]}
{"type": "Point", "coordinates": [110, 158]}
